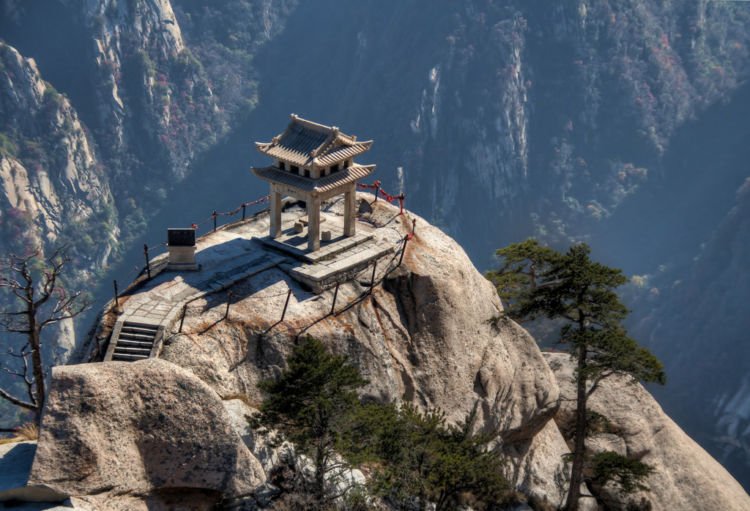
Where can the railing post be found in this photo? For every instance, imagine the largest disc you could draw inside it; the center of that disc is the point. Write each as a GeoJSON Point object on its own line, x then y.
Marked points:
{"type": "Point", "coordinates": [243, 210]}
{"type": "Point", "coordinates": [117, 299]}
{"type": "Point", "coordinates": [182, 319]}
{"type": "Point", "coordinates": [286, 304]}
{"type": "Point", "coordinates": [214, 214]}
{"type": "Point", "coordinates": [372, 279]}
{"type": "Point", "coordinates": [229, 301]}
{"type": "Point", "coordinates": [335, 295]}
{"type": "Point", "coordinates": [148, 264]}
{"type": "Point", "coordinates": [403, 250]}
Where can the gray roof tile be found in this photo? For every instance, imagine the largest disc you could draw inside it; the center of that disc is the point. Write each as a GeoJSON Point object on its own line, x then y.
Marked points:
{"type": "Point", "coordinates": [308, 144]}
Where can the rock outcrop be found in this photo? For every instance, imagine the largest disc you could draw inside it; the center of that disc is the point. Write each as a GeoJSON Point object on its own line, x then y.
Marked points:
{"type": "Point", "coordinates": [136, 436]}
{"type": "Point", "coordinates": [684, 477]}
{"type": "Point", "coordinates": [431, 333]}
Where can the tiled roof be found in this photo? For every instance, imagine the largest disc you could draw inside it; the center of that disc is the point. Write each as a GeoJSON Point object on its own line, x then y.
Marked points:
{"type": "Point", "coordinates": [309, 144]}
{"type": "Point", "coordinates": [323, 184]}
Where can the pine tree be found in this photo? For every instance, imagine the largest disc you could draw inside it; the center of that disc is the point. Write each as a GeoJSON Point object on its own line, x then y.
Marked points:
{"type": "Point", "coordinates": [309, 405]}
{"type": "Point", "coordinates": [419, 459]}
{"type": "Point", "coordinates": [538, 282]}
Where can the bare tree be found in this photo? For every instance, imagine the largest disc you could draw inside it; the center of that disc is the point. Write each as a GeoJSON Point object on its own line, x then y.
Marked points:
{"type": "Point", "coordinates": [36, 283]}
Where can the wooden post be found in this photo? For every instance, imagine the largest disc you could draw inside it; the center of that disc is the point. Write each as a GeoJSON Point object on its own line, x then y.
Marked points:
{"type": "Point", "coordinates": [372, 279]}
{"type": "Point", "coordinates": [286, 304]}
{"type": "Point", "coordinates": [243, 210]}
{"type": "Point", "coordinates": [148, 264]}
{"type": "Point", "coordinates": [214, 214]}
{"type": "Point", "coordinates": [335, 295]}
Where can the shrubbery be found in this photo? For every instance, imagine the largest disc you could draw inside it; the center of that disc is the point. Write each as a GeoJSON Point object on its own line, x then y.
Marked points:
{"type": "Point", "coordinates": [414, 458]}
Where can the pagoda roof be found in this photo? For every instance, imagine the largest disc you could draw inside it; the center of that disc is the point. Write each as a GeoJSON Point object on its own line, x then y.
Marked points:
{"type": "Point", "coordinates": [320, 185]}
{"type": "Point", "coordinates": [309, 144]}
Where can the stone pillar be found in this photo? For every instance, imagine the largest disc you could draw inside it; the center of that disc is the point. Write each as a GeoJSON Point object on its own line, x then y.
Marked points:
{"type": "Point", "coordinates": [350, 218]}
{"type": "Point", "coordinates": [275, 231]}
{"type": "Point", "coordinates": [313, 223]}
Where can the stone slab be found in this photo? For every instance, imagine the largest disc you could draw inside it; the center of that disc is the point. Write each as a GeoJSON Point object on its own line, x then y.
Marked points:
{"type": "Point", "coordinates": [328, 249]}
{"type": "Point", "coordinates": [322, 275]}
{"type": "Point", "coordinates": [15, 464]}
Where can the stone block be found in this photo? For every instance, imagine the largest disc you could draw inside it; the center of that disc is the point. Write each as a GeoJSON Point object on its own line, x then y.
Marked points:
{"type": "Point", "coordinates": [325, 235]}
{"type": "Point", "coordinates": [181, 258]}
{"type": "Point", "coordinates": [298, 227]}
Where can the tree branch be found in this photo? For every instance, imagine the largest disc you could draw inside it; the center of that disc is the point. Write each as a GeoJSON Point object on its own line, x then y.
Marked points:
{"type": "Point", "coordinates": [603, 375]}
{"type": "Point", "coordinates": [16, 401]}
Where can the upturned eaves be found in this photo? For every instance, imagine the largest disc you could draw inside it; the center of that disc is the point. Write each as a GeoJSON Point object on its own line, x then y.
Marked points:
{"type": "Point", "coordinates": [311, 145]}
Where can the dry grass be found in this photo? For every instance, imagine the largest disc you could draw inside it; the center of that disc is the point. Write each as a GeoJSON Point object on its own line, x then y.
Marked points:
{"type": "Point", "coordinates": [24, 433]}
{"type": "Point", "coordinates": [244, 398]}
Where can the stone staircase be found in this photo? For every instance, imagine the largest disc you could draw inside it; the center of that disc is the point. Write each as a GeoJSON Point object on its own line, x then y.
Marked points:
{"type": "Point", "coordinates": [132, 341]}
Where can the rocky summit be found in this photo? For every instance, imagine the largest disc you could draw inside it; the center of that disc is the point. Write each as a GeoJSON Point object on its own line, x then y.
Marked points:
{"type": "Point", "coordinates": [169, 431]}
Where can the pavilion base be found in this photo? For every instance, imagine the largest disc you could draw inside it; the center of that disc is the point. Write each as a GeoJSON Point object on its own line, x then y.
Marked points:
{"type": "Point", "coordinates": [183, 267]}
{"type": "Point", "coordinates": [326, 274]}
{"type": "Point", "coordinates": [294, 243]}
{"type": "Point", "coordinates": [338, 260]}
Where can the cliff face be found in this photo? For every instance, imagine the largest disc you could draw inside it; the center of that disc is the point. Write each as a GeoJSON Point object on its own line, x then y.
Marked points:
{"type": "Point", "coordinates": [704, 304]}
{"type": "Point", "coordinates": [52, 184]}
{"type": "Point", "coordinates": [431, 334]}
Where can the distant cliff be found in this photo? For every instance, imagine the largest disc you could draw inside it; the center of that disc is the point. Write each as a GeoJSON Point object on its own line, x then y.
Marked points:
{"type": "Point", "coordinates": [699, 323]}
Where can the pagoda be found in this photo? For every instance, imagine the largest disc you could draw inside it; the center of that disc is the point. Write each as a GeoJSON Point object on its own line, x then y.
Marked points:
{"type": "Point", "coordinates": [313, 163]}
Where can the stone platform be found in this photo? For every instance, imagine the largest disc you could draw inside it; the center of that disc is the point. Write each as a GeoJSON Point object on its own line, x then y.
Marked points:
{"type": "Point", "coordinates": [324, 274]}
{"type": "Point", "coordinates": [295, 243]}
{"type": "Point", "coordinates": [241, 251]}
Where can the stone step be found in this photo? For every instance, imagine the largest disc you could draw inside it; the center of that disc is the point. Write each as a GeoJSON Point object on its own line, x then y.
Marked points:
{"type": "Point", "coordinates": [134, 344]}
{"type": "Point", "coordinates": [137, 337]}
{"type": "Point", "coordinates": [133, 351]}
{"type": "Point", "coordinates": [127, 328]}
{"type": "Point", "coordinates": [128, 358]}
{"type": "Point", "coordinates": [139, 324]}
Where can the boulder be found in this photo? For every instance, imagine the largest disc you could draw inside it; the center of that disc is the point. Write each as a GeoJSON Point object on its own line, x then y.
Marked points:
{"type": "Point", "coordinates": [685, 476]}
{"type": "Point", "coordinates": [146, 432]}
